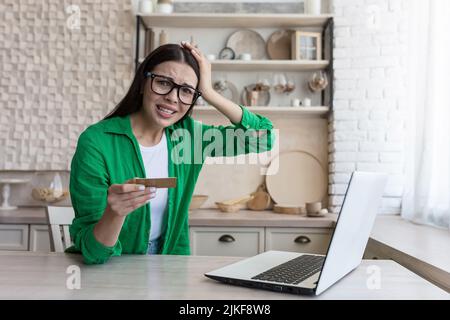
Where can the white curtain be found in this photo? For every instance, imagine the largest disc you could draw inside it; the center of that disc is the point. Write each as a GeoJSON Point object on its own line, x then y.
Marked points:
{"type": "Point", "coordinates": [426, 196]}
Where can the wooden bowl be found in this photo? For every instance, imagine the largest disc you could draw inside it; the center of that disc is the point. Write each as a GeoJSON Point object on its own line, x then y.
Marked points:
{"type": "Point", "coordinates": [197, 201]}
{"type": "Point", "coordinates": [228, 207]}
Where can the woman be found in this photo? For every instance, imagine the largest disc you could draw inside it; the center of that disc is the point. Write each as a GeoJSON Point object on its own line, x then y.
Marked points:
{"type": "Point", "coordinates": [138, 139]}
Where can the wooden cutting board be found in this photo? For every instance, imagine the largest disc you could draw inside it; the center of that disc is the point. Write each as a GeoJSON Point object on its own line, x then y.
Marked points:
{"type": "Point", "coordinates": [279, 45]}
{"type": "Point", "coordinates": [287, 209]}
{"type": "Point", "coordinates": [298, 178]}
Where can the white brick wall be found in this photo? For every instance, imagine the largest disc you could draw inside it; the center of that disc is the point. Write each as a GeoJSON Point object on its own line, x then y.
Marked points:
{"type": "Point", "coordinates": [56, 81]}
{"type": "Point", "coordinates": [366, 128]}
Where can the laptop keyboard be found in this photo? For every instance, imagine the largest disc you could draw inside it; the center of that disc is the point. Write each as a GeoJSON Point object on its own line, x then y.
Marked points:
{"type": "Point", "coordinates": [293, 271]}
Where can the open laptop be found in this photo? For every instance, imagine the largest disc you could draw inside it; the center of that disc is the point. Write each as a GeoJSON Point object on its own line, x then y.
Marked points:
{"type": "Point", "coordinates": [312, 274]}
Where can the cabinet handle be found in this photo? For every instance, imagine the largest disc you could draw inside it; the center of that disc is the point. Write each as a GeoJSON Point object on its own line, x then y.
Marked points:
{"type": "Point", "coordinates": [226, 238]}
{"type": "Point", "coordinates": [302, 240]}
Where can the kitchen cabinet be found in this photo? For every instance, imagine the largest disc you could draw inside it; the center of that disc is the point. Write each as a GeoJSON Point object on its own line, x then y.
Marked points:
{"type": "Point", "coordinates": [14, 237]}
{"type": "Point", "coordinates": [247, 233]}
{"type": "Point", "coordinates": [219, 241]}
{"type": "Point", "coordinates": [307, 240]}
{"type": "Point", "coordinates": [24, 237]}
{"type": "Point", "coordinates": [39, 238]}
{"type": "Point", "coordinates": [246, 242]}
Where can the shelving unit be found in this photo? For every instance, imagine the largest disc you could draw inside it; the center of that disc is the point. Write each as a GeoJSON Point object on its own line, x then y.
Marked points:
{"type": "Point", "coordinates": [267, 65]}
{"type": "Point", "coordinates": [223, 20]}
{"type": "Point", "coordinates": [234, 20]}
{"type": "Point", "coordinates": [301, 128]}
{"type": "Point", "coordinates": [292, 111]}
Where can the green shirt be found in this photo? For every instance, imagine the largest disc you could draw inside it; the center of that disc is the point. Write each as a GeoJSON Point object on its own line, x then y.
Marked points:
{"type": "Point", "coordinates": [108, 153]}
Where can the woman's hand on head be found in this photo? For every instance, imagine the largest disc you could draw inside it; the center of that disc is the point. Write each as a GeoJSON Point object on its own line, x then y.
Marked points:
{"type": "Point", "coordinates": [125, 198]}
{"type": "Point", "coordinates": [205, 85]}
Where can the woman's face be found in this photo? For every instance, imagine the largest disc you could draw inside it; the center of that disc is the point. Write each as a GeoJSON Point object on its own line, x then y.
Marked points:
{"type": "Point", "coordinates": [165, 110]}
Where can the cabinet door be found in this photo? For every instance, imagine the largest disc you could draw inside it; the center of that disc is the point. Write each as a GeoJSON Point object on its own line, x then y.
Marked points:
{"type": "Point", "coordinates": [39, 238]}
{"type": "Point", "coordinates": [307, 240]}
{"type": "Point", "coordinates": [217, 241]}
{"type": "Point", "coordinates": [14, 237]}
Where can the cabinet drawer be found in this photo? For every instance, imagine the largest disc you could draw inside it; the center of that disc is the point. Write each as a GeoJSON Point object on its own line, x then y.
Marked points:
{"type": "Point", "coordinates": [14, 237]}
{"type": "Point", "coordinates": [307, 240]}
{"type": "Point", "coordinates": [216, 241]}
{"type": "Point", "coordinates": [39, 238]}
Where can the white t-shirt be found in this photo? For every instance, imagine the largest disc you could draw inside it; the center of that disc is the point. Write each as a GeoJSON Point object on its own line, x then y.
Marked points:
{"type": "Point", "coordinates": [156, 162]}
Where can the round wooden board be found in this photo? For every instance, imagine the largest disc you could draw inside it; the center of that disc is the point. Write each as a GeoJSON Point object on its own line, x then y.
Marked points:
{"type": "Point", "coordinates": [247, 41]}
{"type": "Point", "coordinates": [279, 45]}
{"type": "Point", "coordinates": [300, 178]}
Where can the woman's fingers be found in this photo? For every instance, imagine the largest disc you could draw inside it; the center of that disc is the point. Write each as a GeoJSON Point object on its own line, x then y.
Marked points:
{"type": "Point", "coordinates": [137, 202]}
{"type": "Point", "coordinates": [195, 51]}
{"type": "Point", "coordinates": [133, 194]}
{"type": "Point", "coordinates": [125, 188]}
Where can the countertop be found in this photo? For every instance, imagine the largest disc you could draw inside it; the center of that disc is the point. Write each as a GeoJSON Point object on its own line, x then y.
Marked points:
{"type": "Point", "coordinates": [248, 218]}
{"type": "Point", "coordinates": [202, 217]}
{"type": "Point", "coordinates": [24, 215]}
{"type": "Point", "coordinates": [44, 276]}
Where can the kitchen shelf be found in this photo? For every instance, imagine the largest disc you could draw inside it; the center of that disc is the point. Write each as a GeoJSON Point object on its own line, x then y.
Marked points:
{"type": "Point", "coordinates": [238, 20]}
{"type": "Point", "coordinates": [234, 20]}
{"type": "Point", "coordinates": [269, 65]}
{"type": "Point", "coordinates": [319, 111]}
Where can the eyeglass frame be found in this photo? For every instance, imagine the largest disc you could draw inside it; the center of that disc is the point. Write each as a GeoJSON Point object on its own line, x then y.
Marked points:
{"type": "Point", "coordinates": [152, 75]}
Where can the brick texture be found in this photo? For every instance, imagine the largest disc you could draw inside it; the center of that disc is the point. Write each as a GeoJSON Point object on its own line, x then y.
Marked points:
{"type": "Point", "coordinates": [367, 128]}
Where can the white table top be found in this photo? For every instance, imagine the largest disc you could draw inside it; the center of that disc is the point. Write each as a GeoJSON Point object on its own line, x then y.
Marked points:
{"type": "Point", "coordinates": [43, 276]}
{"type": "Point", "coordinates": [425, 243]}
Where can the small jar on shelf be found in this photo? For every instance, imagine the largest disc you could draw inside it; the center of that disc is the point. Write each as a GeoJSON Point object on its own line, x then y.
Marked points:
{"type": "Point", "coordinates": [164, 6]}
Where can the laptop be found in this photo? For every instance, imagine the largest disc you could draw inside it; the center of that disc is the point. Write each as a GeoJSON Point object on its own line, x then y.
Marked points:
{"type": "Point", "coordinates": [312, 274]}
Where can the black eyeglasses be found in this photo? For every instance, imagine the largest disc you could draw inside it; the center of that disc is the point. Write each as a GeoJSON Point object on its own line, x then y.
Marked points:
{"type": "Point", "coordinates": [163, 85]}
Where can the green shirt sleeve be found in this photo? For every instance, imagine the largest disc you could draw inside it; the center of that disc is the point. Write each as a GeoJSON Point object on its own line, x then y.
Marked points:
{"type": "Point", "coordinates": [89, 184]}
{"type": "Point", "coordinates": [253, 134]}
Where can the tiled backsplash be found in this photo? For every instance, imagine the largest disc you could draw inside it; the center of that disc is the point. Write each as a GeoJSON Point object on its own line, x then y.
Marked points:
{"type": "Point", "coordinates": [57, 78]}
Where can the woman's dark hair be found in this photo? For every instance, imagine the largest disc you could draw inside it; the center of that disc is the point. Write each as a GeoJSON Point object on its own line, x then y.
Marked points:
{"type": "Point", "coordinates": [132, 101]}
